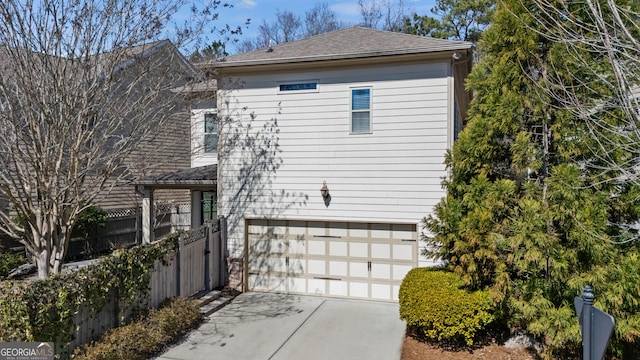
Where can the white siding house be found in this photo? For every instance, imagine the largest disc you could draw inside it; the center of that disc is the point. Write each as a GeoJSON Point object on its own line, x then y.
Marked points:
{"type": "Point", "coordinates": [369, 123]}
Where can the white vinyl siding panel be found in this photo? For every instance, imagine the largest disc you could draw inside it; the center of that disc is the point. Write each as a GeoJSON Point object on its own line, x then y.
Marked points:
{"type": "Point", "coordinates": [393, 174]}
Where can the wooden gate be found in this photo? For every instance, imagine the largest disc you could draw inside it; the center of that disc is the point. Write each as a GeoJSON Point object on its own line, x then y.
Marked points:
{"type": "Point", "coordinates": [193, 261]}
{"type": "Point", "coordinates": [200, 255]}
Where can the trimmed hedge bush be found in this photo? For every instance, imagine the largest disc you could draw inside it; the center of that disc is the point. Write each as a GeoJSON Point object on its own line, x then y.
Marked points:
{"type": "Point", "coordinates": [146, 337]}
{"type": "Point", "coordinates": [433, 301]}
{"type": "Point", "coordinates": [45, 310]}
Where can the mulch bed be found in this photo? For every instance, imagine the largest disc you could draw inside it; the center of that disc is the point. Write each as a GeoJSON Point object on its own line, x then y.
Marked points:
{"type": "Point", "coordinates": [416, 348]}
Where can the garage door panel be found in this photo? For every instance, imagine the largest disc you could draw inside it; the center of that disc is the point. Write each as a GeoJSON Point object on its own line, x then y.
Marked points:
{"type": "Point", "coordinates": [268, 245]}
{"type": "Point", "coordinates": [297, 266]}
{"type": "Point", "coordinates": [358, 249]}
{"type": "Point", "coordinates": [400, 271]}
{"type": "Point", "coordinates": [316, 247]}
{"type": "Point", "coordinates": [337, 229]}
{"type": "Point", "coordinates": [343, 259]}
{"type": "Point", "coordinates": [259, 245]}
{"type": "Point", "coordinates": [278, 283]}
{"type": "Point", "coordinates": [257, 282]}
{"type": "Point", "coordinates": [403, 232]}
{"type": "Point", "coordinates": [338, 268]}
{"type": "Point", "coordinates": [381, 271]}
{"type": "Point", "coordinates": [258, 226]}
{"type": "Point", "coordinates": [317, 286]}
{"type": "Point", "coordinates": [381, 291]}
{"type": "Point", "coordinates": [338, 248]}
{"type": "Point", "coordinates": [359, 289]}
{"type": "Point", "coordinates": [277, 265]}
{"type": "Point", "coordinates": [267, 264]}
{"type": "Point", "coordinates": [380, 231]}
{"type": "Point", "coordinates": [297, 246]}
{"type": "Point", "coordinates": [338, 288]}
{"type": "Point", "coordinates": [381, 251]}
{"type": "Point", "coordinates": [298, 285]}
{"type": "Point", "coordinates": [359, 269]}
{"type": "Point", "coordinates": [404, 251]}
{"type": "Point", "coordinates": [267, 283]}
{"type": "Point", "coordinates": [297, 232]}
{"type": "Point", "coordinates": [316, 228]}
{"type": "Point", "coordinates": [316, 267]}
{"type": "Point", "coordinates": [395, 290]}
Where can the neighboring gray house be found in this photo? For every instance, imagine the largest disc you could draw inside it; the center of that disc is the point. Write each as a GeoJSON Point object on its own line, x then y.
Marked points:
{"type": "Point", "coordinates": [329, 151]}
{"type": "Point", "coordinates": [169, 149]}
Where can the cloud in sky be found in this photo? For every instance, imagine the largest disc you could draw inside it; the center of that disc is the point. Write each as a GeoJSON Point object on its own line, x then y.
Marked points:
{"type": "Point", "coordinates": [348, 10]}
{"type": "Point", "coordinates": [247, 4]}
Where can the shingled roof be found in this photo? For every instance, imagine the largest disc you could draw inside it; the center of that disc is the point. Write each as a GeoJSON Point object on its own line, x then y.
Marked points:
{"type": "Point", "coordinates": [350, 43]}
{"type": "Point", "coordinates": [202, 176]}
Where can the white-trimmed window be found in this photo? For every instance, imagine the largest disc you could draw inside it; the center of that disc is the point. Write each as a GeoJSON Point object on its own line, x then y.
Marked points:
{"type": "Point", "coordinates": [298, 87]}
{"type": "Point", "coordinates": [210, 133]}
{"type": "Point", "coordinates": [361, 111]}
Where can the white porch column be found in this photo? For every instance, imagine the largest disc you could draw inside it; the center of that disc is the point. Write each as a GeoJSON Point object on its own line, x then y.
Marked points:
{"type": "Point", "coordinates": [148, 218]}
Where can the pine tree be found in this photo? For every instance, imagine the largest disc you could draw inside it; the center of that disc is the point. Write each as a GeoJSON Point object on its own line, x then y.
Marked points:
{"type": "Point", "coordinates": [527, 213]}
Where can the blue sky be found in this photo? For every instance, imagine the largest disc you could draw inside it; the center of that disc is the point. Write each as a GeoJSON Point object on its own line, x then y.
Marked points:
{"type": "Point", "coordinates": [259, 10]}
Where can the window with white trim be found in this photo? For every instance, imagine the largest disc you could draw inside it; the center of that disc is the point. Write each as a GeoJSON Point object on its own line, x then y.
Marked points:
{"type": "Point", "coordinates": [361, 111]}
{"type": "Point", "coordinates": [210, 133]}
{"type": "Point", "coordinates": [307, 86]}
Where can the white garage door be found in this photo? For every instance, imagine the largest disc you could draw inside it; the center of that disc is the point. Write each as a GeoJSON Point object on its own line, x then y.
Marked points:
{"type": "Point", "coordinates": [359, 260]}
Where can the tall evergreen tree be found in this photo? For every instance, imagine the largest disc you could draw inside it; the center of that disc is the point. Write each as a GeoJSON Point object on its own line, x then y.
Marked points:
{"type": "Point", "coordinates": [524, 215]}
{"type": "Point", "coordinates": [453, 19]}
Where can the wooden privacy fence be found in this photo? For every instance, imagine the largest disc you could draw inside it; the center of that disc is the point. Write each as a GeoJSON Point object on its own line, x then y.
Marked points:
{"type": "Point", "coordinates": [197, 266]}
{"type": "Point", "coordinates": [124, 229]}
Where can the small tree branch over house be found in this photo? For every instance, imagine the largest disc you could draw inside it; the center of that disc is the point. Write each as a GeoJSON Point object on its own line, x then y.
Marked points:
{"type": "Point", "coordinates": [85, 86]}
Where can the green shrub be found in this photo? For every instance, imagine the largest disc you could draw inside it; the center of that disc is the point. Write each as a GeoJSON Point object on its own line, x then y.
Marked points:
{"type": "Point", "coordinates": [89, 222]}
{"type": "Point", "coordinates": [433, 301]}
{"type": "Point", "coordinates": [10, 261]}
{"type": "Point", "coordinates": [146, 337]}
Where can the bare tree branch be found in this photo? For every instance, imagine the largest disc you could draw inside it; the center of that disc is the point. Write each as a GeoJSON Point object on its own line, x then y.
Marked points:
{"type": "Point", "coordinates": [85, 86]}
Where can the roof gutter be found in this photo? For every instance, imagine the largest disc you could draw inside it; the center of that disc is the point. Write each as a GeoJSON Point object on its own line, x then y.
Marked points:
{"type": "Point", "coordinates": [319, 62]}
{"type": "Point", "coordinates": [421, 50]}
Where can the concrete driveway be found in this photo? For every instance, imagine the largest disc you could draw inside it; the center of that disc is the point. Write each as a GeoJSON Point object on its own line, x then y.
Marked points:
{"type": "Point", "coordinates": [275, 326]}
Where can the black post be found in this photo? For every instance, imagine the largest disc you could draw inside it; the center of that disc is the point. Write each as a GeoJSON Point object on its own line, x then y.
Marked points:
{"type": "Point", "coordinates": [587, 311]}
{"type": "Point", "coordinates": [207, 251]}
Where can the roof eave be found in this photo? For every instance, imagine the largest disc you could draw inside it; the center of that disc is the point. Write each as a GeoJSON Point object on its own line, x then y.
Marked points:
{"type": "Point", "coordinates": [168, 184]}
{"type": "Point", "coordinates": [431, 52]}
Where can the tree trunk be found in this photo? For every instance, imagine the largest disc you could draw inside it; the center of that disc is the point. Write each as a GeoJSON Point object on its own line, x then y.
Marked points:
{"type": "Point", "coordinates": [57, 262]}
{"type": "Point", "coordinates": [42, 261]}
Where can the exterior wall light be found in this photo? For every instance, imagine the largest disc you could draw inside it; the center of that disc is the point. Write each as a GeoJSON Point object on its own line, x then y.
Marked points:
{"type": "Point", "coordinates": [324, 190]}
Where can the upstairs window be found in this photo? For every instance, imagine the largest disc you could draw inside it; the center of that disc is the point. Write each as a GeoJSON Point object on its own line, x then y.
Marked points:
{"type": "Point", "coordinates": [361, 111]}
{"type": "Point", "coordinates": [210, 133]}
{"type": "Point", "coordinates": [304, 87]}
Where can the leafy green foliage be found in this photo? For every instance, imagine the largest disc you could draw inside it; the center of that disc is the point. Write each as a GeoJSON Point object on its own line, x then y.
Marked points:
{"type": "Point", "coordinates": [10, 261]}
{"type": "Point", "coordinates": [454, 19]}
{"type": "Point", "coordinates": [44, 310]}
{"type": "Point", "coordinates": [146, 337]}
{"type": "Point", "coordinates": [433, 301]}
{"type": "Point", "coordinates": [530, 204]}
{"type": "Point", "coordinates": [89, 222]}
